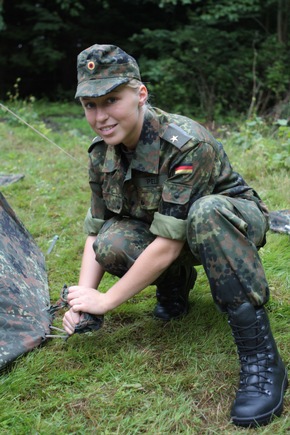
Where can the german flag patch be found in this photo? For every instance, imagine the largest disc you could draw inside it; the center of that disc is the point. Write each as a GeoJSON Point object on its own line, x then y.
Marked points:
{"type": "Point", "coordinates": [183, 169]}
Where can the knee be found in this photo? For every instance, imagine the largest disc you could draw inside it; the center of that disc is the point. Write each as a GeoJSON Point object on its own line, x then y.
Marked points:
{"type": "Point", "coordinates": [108, 250]}
{"type": "Point", "coordinates": [206, 217]}
{"type": "Point", "coordinates": [204, 210]}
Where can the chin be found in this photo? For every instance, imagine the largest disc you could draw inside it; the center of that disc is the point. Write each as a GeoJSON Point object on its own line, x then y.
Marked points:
{"type": "Point", "coordinates": [112, 143]}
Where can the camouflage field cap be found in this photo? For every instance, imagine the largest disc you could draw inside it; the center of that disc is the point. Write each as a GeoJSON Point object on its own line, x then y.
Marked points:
{"type": "Point", "coordinates": [101, 68]}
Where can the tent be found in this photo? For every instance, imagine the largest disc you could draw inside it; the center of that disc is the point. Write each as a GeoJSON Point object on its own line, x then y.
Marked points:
{"type": "Point", "coordinates": [24, 295]}
{"type": "Point", "coordinates": [26, 315]}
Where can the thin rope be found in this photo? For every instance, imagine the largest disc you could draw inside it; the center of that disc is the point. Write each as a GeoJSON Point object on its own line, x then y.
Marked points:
{"type": "Point", "coordinates": [5, 108]}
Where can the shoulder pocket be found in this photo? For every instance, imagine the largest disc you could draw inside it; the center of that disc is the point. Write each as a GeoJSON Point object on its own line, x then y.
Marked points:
{"type": "Point", "coordinates": [176, 193]}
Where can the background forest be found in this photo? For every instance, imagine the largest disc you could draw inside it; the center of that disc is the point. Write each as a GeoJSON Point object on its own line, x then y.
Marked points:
{"type": "Point", "coordinates": [204, 58]}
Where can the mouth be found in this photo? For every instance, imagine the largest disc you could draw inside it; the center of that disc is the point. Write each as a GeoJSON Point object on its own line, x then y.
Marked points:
{"type": "Point", "coordinates": [107, 129]}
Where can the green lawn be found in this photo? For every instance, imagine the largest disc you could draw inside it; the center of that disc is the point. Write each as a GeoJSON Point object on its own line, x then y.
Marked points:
{"type": "Point", "coordinates": [136, 375]}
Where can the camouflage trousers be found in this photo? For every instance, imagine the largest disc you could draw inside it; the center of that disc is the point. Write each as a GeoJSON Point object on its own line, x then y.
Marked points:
{"type": "Point", "coordinates": [223, 234]}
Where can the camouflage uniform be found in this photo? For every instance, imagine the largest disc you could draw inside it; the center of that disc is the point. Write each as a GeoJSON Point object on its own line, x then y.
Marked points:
{"type": "Point", "coordinates": [178, 184]}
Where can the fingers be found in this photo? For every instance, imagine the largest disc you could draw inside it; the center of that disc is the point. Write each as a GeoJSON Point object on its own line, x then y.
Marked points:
{"type": "Point", "coordinates": [76, 302]}
{"type": "Point", "coordinates": [77, 291]}
{"type": "Point", "coordinates": [70, 320]}
{"type": "Point", "coordinates": [74, 298]}
{"type": "Point", "coordinates": [87, 300]}
{"type": "Point", "coordinates": [72, 292]}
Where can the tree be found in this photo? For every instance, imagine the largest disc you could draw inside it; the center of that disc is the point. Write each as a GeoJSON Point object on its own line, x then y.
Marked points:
{"type": "Point", "coordinates": [219, 62]}
{"type": "Point", "coordinates": [199, 56]}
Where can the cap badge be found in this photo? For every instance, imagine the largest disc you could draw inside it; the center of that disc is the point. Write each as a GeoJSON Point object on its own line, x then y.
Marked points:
{"type": "Point", "coordinates": [91, 65]}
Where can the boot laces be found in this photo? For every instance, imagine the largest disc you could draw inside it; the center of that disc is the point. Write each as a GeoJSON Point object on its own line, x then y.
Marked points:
{"type": "Point", "coordinates": [254, 357]}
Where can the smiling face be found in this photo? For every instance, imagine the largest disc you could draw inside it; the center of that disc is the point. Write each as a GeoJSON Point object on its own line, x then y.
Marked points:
{"type": "Point", "coordinates": [117, 116]}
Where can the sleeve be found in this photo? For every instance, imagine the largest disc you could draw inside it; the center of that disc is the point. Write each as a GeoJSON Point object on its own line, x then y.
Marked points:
{"type": "Point", "coordinates": [193, 174]}
{"type": "Point", "coordinates": [168, 227]}
{"type": "Point", "coordinates": [92, 225]}
{"type": "Point", "coordinates": [97, 212]}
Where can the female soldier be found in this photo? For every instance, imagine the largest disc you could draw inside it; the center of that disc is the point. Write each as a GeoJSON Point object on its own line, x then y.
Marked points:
{"type": "Point", "coordinates": [165, 198]}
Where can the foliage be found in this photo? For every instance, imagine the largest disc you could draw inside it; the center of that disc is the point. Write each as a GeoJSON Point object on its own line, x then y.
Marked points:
{"type": "Point", "coordinates": [136, 375]}
{"type": "Point", "coordinates": [204, 57]}
{"type": "Point", "coordinates": [210, 66]}
{"type": "Point", "coordinates": [2, 25]}
{"type": "Point", "coordinates": [283, 157]}
{"type": "Point", "coordinates": [275, 151]}
{"type": "Point", "coordinates": [226, 10]}
{"type": "Point", "coordinates": [202, 63]}
{"type": "Point", "coordinates": [73, 7]}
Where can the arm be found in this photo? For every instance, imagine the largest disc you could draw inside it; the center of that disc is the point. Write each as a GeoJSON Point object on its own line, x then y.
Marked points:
{"type": "Point", "coordinates": [91, 274]}
{"type": "Point", "coordinates": [154, 260]}
{"type": "Point", "coordinates": [91, 271]}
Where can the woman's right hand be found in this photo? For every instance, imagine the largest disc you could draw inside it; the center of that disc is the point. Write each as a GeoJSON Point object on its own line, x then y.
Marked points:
{"type": "Point", "coordinates": [70, 320]}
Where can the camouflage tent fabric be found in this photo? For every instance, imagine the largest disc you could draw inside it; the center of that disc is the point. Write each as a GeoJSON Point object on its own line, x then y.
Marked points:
{"type": "Point", "coordinates": [24, 295]}
{"type": "Point", "coordinates": [280, 221]}
{"type": "Point", "coordinates": [5, 179]}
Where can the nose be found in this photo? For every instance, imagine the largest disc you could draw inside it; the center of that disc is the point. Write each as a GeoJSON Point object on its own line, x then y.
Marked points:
{"type": "Point", "coordinates": [100, 114]}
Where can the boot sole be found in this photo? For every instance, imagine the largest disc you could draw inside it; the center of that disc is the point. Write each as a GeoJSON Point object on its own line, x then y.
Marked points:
{"type": "Point", "coordinates": [262, 420]}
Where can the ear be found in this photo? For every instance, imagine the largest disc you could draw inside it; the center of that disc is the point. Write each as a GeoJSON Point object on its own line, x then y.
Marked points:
{"type": "Point", "coordinates": [143, 95]}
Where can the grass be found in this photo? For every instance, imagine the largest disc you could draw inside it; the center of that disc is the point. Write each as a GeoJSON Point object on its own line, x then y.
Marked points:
{"type": "Point", "coordinates": [136, 375]}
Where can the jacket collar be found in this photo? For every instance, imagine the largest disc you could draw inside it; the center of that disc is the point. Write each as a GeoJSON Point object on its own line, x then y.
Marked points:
{"type": "Point", "coordinates": [146, 156]}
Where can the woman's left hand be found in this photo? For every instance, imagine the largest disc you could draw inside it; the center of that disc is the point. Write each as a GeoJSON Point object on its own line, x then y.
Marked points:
{"type": "Point", "coordinates": [87, 300]}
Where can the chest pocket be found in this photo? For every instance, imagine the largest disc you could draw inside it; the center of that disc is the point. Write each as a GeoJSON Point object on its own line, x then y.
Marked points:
{"type": "Point", "coordinates": [112, 193]}
{"type": "Point", "coordinates": [150, 197]}
{"type": "Point", "coordinates": [149, 190]}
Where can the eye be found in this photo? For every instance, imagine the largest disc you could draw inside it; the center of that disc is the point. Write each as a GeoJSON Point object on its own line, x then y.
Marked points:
{"type": "Point", "coordinates": [111, 100]}
{"type": "Point", "coordinates": [89, 105]}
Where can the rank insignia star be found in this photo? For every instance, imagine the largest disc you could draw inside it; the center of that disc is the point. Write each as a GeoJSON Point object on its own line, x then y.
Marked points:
{"type": "Point", "coordinates": [174, 139]}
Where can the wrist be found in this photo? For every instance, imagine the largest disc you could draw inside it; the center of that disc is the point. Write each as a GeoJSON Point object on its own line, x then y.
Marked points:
{"type": "Point", "coordinates": [103, 306]}
{"type": "Point", "coordinates": [109, 303]}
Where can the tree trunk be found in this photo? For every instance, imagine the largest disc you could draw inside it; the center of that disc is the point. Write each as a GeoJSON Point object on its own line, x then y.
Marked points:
{"type": "Point", "coordinates": [282, 21]}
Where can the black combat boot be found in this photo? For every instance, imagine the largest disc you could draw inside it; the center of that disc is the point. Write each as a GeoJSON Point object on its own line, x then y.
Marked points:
{"type": "Point", "coordinates": [172, 296]}
{"type": "Point", "coordinates": [263, 376]}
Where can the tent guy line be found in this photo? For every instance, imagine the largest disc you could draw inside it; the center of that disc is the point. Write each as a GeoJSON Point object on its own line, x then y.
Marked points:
{"type": "Point", "coordinates": [6, 109]}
